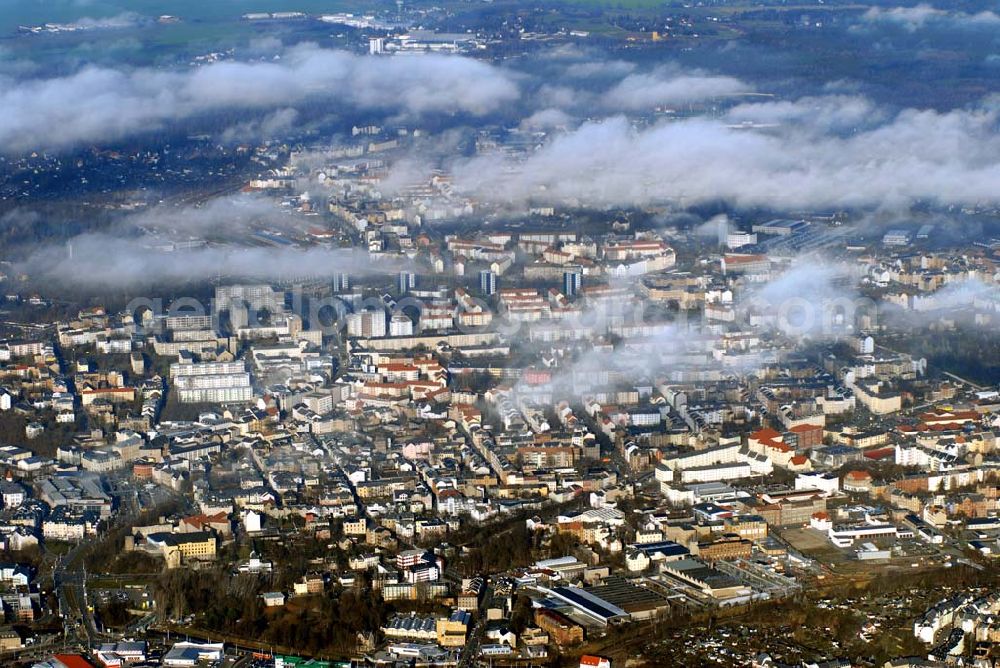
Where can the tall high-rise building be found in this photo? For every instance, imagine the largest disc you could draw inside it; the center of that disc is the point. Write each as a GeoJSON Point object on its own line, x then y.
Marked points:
{"type": "Point", "coordinates": [407, 281]}
{"type": "Point", "coordinates": [245, 303]}
{"type": "Point", "coordinates": [488, 282]}
{"type": "Point", "coordinates": [341, 282]}
{"type": "Point", "coordinates": [571, 282]}
{"type": "Point", "coordinates": [367, 324]}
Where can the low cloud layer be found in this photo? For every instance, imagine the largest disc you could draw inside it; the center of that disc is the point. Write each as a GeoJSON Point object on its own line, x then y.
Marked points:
{"type": "Point", "coordinates": [273, 125]}
{"type": "Point", "coordinates": [167, 245]}
{"type": "Point", "coordinates": [225, 215]}
{"type": "Point", "coordinates": [95, 261]}
{"type": "Point", "coordinates": [813, 298]}
{"type": "Point", "coordinates": [831, 113]}
{"type": "Point", "coordinates": [923, 16]}
{"type": "Point", "coordinates": [667, 87]}
{"type": "Point", "coordinates": [98, 104]}
{"type": "Point", "coordinates": [116, 22]}
{"type": "Point", "coordinates": [814, 157]}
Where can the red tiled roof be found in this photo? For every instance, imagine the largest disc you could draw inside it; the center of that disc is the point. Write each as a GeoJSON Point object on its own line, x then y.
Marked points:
{"type": "Point", "coordinates": [801, 428]}
{"type": "Point", "coordinates": [881, 453]}
{"type": "Point", "coordinates": [968, 415]}
{"type": "Point", "coordinates": [776, 445]}
{"type": "Point", "coordinates": [744, 259]}
{"type": "Point", "coordinates": [72, 661]}
{"type": "Point", "coordinates": [202, 519]}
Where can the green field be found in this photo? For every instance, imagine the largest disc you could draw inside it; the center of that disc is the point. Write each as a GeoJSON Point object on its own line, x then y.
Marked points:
{"type": "Point", "coordinates": [14, 13]}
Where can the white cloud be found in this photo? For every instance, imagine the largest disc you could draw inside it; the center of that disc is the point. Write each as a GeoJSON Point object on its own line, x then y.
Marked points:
{"type": "Point", "coordinates": [599, 68]}
{"type": "Point", "coordinates": [668, 86]}
{"type": "Point", "coordinates": [269, 127]}
{"type": "Point", "coordinates": [921, 16]}
{"type": "Point", "coordinates": [547, 119]}
{"type": "Point", "coordinates": [949, 158]}
{"type": "Point", "coordinates": [102, 260]}
{"type": "Point", "coordinates": [827, 113]}
{"type": "Point", "coordinates": [117, 22]}
{"type": "Point", "coordinates": [100, 104]}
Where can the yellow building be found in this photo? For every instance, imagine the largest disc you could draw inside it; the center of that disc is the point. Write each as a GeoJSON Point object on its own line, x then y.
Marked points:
{"type": "Point", "coordinates": [356, 527]}
{"type": "Point", "coordinates": [179, 548]}
{"type": "Point", "coordinates": [9, 639]}
{"type": "Point", "coordinates": [451, 632]}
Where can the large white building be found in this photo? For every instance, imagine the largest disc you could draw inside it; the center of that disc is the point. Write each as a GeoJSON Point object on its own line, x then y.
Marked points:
{"type": "Point", "coordinates": [367, 324]}
{"type": "Point", "coordinates": [400, 325]}
{"type": "Point", "coordinates": [193, 654]}
{"type": "Point", "coordinates": [845, 535]}
{"type": "Point", "coordinates": [716, 472]}
{"type": "Point", "coordinates": [823, 481]}
{"type": "Point", "coordinates": [720, 454]}
{"type": "Point", "coordinates": [211, 382]}
{"type": "Point", "coordinates": [740, 239]}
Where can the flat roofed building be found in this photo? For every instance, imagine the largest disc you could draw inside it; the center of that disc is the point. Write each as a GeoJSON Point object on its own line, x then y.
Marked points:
{"type": "Point", "coordinates": [185, 654]}
{"type": "Point", "coordinates": [586, 603]}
